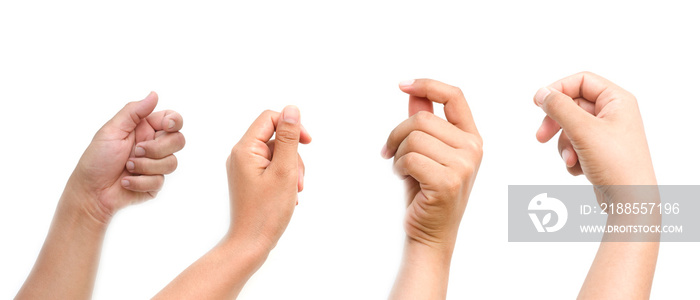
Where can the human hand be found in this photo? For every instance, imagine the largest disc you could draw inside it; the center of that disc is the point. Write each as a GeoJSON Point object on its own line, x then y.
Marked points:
{"type": "Point", "coordinates": [125, 162]}
{"type": "Point", "coordinates": [437, 159]}
{"type": "Point", "coordinates": [265, 176]}
{"type": "Point", "coordinates": [603, 135]}
{"type": "Point", "coordinates": [603, 138]}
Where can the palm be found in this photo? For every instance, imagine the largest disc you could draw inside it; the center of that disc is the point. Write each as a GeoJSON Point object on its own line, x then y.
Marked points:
{"type": "Point", "coordinates": [103, 165]}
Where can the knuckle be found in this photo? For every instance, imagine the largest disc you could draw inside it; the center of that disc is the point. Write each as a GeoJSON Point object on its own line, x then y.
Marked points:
{"type": "Point", "coordinates": [132, 114]}
{"type": "Point", "coordinates": [141, 166]}
{"type": "Point", "coordinates": [287, 135]}
{"type": "Point", "coordinates": [414, 139]}
{"type": "Point", "coordinates": [283, 172]}
{"type": "Point", "coordinates": [468, 170]}
{"type": "Point", "coordinates": [457, 92]}
{"type": "Point", "coordinates": [587, 75]}
{"type": "Point", "coordinates": [476, 146]}
{"type": "Point", "coordinates": [262, 149]}
{"type": "Point", "coordinates": [421, 119]}
{"type": "Point", "coordinates": [160, 179]}
{"type": "Point", "coordinates": [408, 159]}
{"type": "Point", "coordinates": [172, 163]}
{"type": "Point", "coordinates": [479, 140]}
{"type": "Point", "coordinates": [554, 102]}
{"type": "Point", "coordinates": [130, 104]}
{"type": "Point", "coordinates": [156, 150]}
{"type": "Point", "coordinates": [150, 147]}
{"type": "Point", "coordinates": [236, 152]}
{"type": "Point", "coordinates": [466, 167]}
{"type": "Point", "coordinates": [452, 184]}
{"type": "Point", "coordinates": [268, 112]}
{"type": "Point", "coordinates": [180, 139]}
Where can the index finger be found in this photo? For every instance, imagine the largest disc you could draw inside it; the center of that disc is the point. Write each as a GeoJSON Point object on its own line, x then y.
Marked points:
{"type": "Point", "coordinates": [457, 110]}
{"type": "Point", "coordinates": [262, 128]}
{"type": "Point", "coordinates": [587, 85]}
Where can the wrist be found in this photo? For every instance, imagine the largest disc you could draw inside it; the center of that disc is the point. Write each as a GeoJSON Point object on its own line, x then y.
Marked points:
{"type": "Point", "coordinates": [256, 240]}
{"type": "Point", "coordinates": [442, 243]}
{"type": "Point", "coordinates": [613, 194]}
{"type": "Point", "coordinates": [250, 251]}
{"type": "Point", "coordinates": [424, 273]}
{"type": "Point", "coordinates": [434, 253]}
{"type": "Point", "coordinates": [79, 206]}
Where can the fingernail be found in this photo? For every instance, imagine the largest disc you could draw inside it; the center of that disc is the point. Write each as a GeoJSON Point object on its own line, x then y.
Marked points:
{"type": "Point", "coordinates": [407, 82]}
{"type": "Point", "coordinates": [565, 154]}
{"type": "Point", "coordinates": [301, 177]}
{"type": "Point", "coordinates": [290, 114]}
{"type": "Point", "coordinates": [171, 124]}
{"type": "Point", "coordinates": [139, 151]}
{"type": "Point", "coordinates": [540, 95]}
{"type": "Point", "coordinates": [130, 165]}
{"type": "Point", "coordinates": [384, 152]}
{"type": "Point", "coordinates": [125, 183]}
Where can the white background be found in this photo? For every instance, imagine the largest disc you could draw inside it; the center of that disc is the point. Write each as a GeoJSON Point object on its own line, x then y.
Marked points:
{"type": "Point", "coordinates": [66, 67]}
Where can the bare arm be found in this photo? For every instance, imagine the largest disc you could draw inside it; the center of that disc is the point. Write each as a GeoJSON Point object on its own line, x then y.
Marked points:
{"type": "Point", "coordinates": [124, 164]}
{"type": "Point", "coordinates": [220, 274]}
{"type": "Point", "coordinates": [624, 266]}
{"type": "Point", "coordinates": [603, 138]}
{"type": "Point", "coordinates": [438, 160]}
{"type": "Point", "coordinates": [68, 261]}
{"type": "Point", "coordinates": [263, 190]}
{"type": "Point", "coordinates": [621, 270]}
{"type": "Point", "coordinates": [424, 272]}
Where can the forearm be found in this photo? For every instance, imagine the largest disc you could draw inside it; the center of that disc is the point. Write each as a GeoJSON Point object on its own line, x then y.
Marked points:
{"type": "Point", "coordinates": [424, 272]}
{"type": "Point", "coordinates": [68, 261]}
{"type": "Point", "coordinates": [219, 274]}
{"type": "Point", "coordinates": [625, 263]}
{"type": "Point", "coordinates": [621, 270]}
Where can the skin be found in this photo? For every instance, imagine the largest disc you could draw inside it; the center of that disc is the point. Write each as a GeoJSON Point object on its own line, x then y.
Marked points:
{"type": "Point", "coordinates": [438, 160]}
{"type": "Point", "coordinates": [603, 138]}
{"type": "Point", "coordinates": [265, 176]}
{"type": "Point", "coordinates": [123, 165]}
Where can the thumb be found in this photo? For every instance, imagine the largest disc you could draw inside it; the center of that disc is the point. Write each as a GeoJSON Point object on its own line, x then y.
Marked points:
{"type": "Point", "coordinates": [126, 120]}
{"type": "Point", "coordinates": [562, 109]}
{"type": "Point", "coordinates": [285, 156]}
